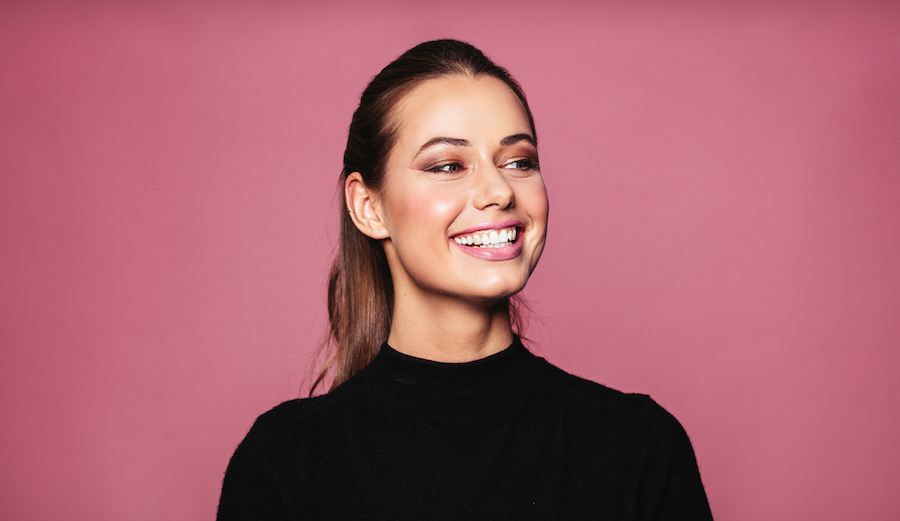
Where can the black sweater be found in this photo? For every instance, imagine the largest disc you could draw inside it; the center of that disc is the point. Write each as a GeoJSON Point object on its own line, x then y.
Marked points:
{"type": "Point", "coordinates": [506, 437]}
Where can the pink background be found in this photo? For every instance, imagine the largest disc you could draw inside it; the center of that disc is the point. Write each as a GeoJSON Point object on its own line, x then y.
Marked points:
{"type": "Point", "coordinates": [724, 236]}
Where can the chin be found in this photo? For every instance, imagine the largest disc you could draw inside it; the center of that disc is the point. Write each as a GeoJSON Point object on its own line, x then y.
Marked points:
{"type": "Point", "coordinates": [494, 293]}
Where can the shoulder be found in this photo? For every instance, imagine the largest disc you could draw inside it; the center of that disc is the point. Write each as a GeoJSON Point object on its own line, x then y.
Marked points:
{"type": "Point", "coordinates": [262, 441]}
{"type": "Point", "coordinates": [302, 413]}
{"type": "Point", "coordinates": [637, 407]}
{"type": "Point", "coordinates": [285, 414]}
{"type": "Point", "coordinates": [663, 461]}
{"type": "Point", "coordinates": [281, 434]}
{"type": "Point", "coordinates": [638, 413]}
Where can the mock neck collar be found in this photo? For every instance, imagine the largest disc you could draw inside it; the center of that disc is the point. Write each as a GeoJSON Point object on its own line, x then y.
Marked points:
{"type": "Point", "coordinates": [476, 377]}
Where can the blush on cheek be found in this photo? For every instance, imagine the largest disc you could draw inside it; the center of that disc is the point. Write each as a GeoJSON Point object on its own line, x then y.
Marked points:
{"type": "Point", "coordinates": [441, 208]}
{"type": "Point", "coordinates": [535, 198]}
{"type": "Point", "coordinates": [422, 212]}
{"type": "Point", "coordinates": [425, 207]}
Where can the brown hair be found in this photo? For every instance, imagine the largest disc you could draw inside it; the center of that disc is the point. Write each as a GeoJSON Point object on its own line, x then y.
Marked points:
{"type": "Point", "coordinates": [360, 288]}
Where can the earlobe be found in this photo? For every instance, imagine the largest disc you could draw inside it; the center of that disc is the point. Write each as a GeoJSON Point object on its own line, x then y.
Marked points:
{"type": "Point", "coordinates": [363, 206]}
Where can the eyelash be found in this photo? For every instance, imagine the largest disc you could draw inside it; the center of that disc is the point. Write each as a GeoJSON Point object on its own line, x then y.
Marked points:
{"type": "Point", "coordinates": [440, 168]}
{"type": "Point", "coordinates": [526, 164]}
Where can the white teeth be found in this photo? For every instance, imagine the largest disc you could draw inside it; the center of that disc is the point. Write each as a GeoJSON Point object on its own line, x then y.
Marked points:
{"type": "Point", "coordinates": [489, 239]}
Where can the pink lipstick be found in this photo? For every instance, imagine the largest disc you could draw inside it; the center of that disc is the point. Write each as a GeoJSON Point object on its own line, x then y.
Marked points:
{"type": "Point", "coordinates": [491, 241]}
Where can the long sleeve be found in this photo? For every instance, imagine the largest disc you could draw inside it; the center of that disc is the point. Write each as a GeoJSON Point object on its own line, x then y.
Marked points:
{"type": "Point", "coordinates": [671, 487]}
{"type": "Point", "coordinates": [250, 489]}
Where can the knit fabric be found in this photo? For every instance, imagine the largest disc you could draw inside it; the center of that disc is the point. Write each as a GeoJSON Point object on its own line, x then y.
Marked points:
{"type": "Point", "coordinates": [506, 437]}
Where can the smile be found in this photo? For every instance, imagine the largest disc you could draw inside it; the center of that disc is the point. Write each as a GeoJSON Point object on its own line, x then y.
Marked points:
{"type": "Point", "coordinates": [489, 238]}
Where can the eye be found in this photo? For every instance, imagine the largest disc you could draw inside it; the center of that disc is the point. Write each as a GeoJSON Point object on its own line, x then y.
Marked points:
{"type": "Point", "coordinates": [449, 168]}
{"type": "Point", "coordinates": [521, 164]}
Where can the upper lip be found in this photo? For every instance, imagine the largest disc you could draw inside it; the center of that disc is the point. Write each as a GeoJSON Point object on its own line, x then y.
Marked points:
{"type": "Point", "coordinates": [497, 225]}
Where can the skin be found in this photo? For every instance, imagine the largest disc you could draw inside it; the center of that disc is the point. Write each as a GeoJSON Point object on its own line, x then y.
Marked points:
{"type": "Point", "coordinates": [450, 305]}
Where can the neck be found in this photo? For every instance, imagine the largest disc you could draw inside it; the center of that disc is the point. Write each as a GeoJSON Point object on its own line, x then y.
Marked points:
{"type": "Point", "coordinates": [444, 329]}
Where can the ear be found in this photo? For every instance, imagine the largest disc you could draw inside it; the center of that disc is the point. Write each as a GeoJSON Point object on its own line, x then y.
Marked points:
{"type": "Point", "coordinates": [364, 207]}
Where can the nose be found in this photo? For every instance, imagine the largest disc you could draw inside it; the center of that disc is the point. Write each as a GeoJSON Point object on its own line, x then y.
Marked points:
{"type": "Point", "coordinates": [492, 189]}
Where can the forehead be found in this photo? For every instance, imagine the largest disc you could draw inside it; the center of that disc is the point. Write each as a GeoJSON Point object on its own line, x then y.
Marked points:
{"type": "Point", "coordinates": [461, 107]}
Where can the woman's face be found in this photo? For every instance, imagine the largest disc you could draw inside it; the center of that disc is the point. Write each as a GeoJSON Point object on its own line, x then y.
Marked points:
{"type": "Point", "coordinates": [463, 173]}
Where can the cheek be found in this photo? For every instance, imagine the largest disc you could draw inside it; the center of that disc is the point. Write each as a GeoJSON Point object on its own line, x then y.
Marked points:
{"type": "Point", "coordinates": [424, 211]}
{"type": "Point", "coordinates": [535, 202]}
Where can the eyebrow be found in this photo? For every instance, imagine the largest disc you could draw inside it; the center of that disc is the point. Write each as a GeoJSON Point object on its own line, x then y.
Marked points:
{"type": "Point", "coordinates": [443, 141]}
{"type": "Point", "coordinates": [515, 138]}
{"type": "Point", "coordinates": [457, 142]}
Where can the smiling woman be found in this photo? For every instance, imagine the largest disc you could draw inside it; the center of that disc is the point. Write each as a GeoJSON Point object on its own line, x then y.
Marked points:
{"type": "Point", "coordinates": [463, 166]}
{"type": "Point", "coordinates": [436, 410]}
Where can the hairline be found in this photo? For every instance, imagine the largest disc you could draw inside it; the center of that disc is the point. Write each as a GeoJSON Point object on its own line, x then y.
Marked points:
{"type": "Point", "coordinates": [399, 93]}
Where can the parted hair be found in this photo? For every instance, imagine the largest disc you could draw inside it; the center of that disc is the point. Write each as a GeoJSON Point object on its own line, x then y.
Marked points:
{"type": "Point", "coordinates": [360, 288]}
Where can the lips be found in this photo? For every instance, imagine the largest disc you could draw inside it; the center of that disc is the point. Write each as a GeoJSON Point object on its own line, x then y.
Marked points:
{"type": "Point", "coordinates": [492, 241]}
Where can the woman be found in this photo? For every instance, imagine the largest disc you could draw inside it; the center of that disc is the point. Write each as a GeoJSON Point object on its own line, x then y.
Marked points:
{"type": "Point", "coordinates": [436, 410]}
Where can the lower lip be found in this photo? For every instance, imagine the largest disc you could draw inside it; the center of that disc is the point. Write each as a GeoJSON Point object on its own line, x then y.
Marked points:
{"type": "Point", "coordinates": [493, 254]}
